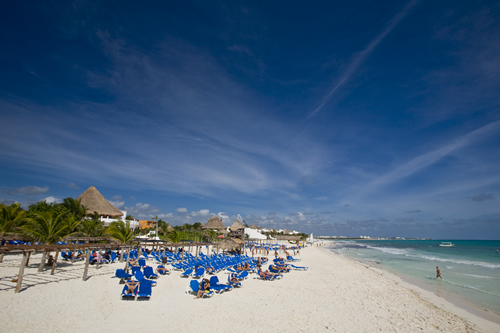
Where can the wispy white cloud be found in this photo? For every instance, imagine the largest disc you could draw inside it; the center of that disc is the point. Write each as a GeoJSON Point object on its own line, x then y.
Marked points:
{"type": "Point", "coordinates": [30, 190]}
{"type": "Point", "coordinates": [425, 160]}
{"type": "Point", "coordinates": [361, 56]}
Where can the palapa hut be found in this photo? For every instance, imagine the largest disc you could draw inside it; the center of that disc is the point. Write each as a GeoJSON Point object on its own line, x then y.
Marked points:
{"type": "Point", "coordinates": [95, 202]}
{"type": "Point", "coordinates": [237, 230]}
{"type": "Point", "coordinates": [215, 223]}
{"type": "Point", "coordinates": [253, 226]}
{"type": "Point", "coordinates": [229, 245]}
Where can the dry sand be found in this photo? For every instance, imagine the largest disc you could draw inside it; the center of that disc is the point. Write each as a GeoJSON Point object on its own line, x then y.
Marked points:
{"type": "Point", "coordinates": [335, 294]}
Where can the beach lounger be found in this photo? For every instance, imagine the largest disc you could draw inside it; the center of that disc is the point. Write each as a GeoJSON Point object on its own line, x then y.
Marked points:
{"type": "Point", "coordinates": [193, 287]}
{"type": "Point", "coordinates": [299, 268]}
{"type": "Point", "coordinates": [140, 277]}
{"type": "Point", "coordinates": [199, 273]}
{"type": "Point", "coordinates": [121, 274]}
{"type": "Point", "coordinates": [142, 262]}
{"type": "Point", "coordinates": [145, 290]}
{"type": "Point", "coordinates": [135, 269]}
{"type": "Point", "coordinates": [233, 284]}
{"type": "Point", "coordinates": [187, 272]}
{"type": "Point", "coordinates": [290, 258]}
{"type": "Point", "coordinates": [148, 272]}
{"type": "Point", "coordinates": [164, 273]}
{"type": "Point", "coordinates": [131, 296]}
{"type": "Point", "coordinates": [217, 286]}
{"type": "Point", "coordinates": [269, 278]}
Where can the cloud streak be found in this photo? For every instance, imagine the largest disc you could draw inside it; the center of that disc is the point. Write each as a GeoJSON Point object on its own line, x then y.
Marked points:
{"type": "Point", "coordinates": [361, 56]}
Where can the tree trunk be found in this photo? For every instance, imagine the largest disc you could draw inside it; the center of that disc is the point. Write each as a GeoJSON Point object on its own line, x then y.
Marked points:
{"type": "Point", "coordinates": [28, 260]}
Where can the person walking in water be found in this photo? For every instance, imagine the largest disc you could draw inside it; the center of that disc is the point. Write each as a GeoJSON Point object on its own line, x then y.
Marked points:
{"type": "Point", "coordinates": [438, 273]}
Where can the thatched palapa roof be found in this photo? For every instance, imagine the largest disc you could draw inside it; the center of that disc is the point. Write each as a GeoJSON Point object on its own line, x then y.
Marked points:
{"type": "Point", "coordinates": [253, 226]}
{"type": "Point", "coordinates": [227, 244]}
{"type": "Point", "coordinates": [214, 223]}
{"type": "Point", "coordinates": [237, 225]}
{"type": "Point", "coordinates": [95, 202]}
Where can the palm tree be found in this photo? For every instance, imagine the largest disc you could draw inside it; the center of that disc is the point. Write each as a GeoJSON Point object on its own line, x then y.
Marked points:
{"type": "Point", "coordinates": [72, 223]}
{"type": "Point", "coordinates": [211, 234]}
{"type": "Point", "coordinates": [45, 227]}
{"type": "Point", "coordinates": [93, 227]}
{"type": "Point", "coordinates": [121, 231]}
{"type": "Point", "coordinates": [175, 236]}
{"type": "Point", "coordinates": [163, 227]}
{"type": "Point", "coordinates": [74, 207]}
{"type": "Point", "coordinates": [11, 218]}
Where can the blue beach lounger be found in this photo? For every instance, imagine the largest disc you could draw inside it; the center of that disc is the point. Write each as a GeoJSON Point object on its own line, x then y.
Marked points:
{"type": "Point", "coordinates": [187, 272]}
{"type": "Point", "coordinates": [145, 290]}
{"type": "Point", "coordinates": [128, 296]}
{"type": "Point", "coordinates": [121, 274]}
{"type": "Point", "coordinates": [162, 272]}
{"type": "Point", "coordinates": [233, 284]}
{"type": "Point", "coordinates": [199, 273]}
{"type": "Point", "coordinates": [140, 277]}
{"type": "Point", "coordinates": [148, 272]}
{"type": "Point", "coordinates": [193, 287]}
{"type": "Point", "coordinates": [217, 286]}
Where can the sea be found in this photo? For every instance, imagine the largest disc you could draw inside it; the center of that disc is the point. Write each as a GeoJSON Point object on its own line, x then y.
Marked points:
{"type": "Point", "coordinates": [470, 269]}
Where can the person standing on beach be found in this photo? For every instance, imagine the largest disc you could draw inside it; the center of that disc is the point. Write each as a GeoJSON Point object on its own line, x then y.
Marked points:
{"type": "Point", "coordinates": [438, 273]}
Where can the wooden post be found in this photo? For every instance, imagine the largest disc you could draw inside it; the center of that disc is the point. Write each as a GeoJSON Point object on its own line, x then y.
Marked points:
{"type": "Point", "coordinates": [42, 263]}
{"type": "Point", "coordinates": [85, 270]}
{"type": "Point", "coordinates": [28, 260]}
{"type": "Point", "coordinates": [21, 272]}
{"type": "Point", "coordinates": [196, 257]}
{"type": "Point", "coordinates": [54, 264]}
{"type": "Point", "coordinates": [1, 257]}
{"type": "Point", "coordinates": [72, 256]}
{"type": "Point", "coordinates": [182, 259]}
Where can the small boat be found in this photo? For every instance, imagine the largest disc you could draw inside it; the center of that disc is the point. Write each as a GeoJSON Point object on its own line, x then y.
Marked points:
{"type": "Point", "coordinates": [446, 244]}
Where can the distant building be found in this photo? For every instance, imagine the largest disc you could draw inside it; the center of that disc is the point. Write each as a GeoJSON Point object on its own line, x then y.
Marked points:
{"type": "Point", "coordinates": [146, 224]}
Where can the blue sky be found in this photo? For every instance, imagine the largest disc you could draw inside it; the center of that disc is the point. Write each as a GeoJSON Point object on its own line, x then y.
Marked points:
{"type": "Point", "coordinates": [359, 118]}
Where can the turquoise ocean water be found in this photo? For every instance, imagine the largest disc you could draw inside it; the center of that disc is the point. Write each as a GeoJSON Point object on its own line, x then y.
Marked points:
{"type": "Point", "coordinates": [471, 269]}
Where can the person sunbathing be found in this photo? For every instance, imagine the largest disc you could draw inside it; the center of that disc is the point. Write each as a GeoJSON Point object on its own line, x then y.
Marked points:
{"type": "Point", "coordinates": [163, 270]}
{"type": "Point", "coordinates": [203, 288]}
{"type": "Point", "coordinates": [247, 267]}
{"type": "Point", "coordinates": [210, 270]}
{"type": "Point", "coordinates": [278, 268]}
{"type": "Point", "coordinates": [234, 279]}
{"type": "Point", "coordinates": [131, 286]}
{"type": "Point", "coordinates": [133, 262]}
{"type": "Point", "coordinates": [267, 274]}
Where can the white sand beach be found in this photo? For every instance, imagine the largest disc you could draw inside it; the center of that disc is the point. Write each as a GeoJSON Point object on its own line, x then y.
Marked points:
{"type": "Point", "coordinates": [335, 294]}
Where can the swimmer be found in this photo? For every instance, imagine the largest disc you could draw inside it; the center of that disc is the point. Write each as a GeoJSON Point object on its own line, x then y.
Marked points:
{"type": "Point", "coordinates": [438, 273]}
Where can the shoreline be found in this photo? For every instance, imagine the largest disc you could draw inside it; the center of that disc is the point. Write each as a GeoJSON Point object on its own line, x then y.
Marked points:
{"type": "Point", "coordinates": [453, 304]}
